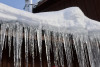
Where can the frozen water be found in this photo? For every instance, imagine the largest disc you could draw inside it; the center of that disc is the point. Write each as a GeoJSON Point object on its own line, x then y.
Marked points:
{"type": "Point", "coordinates": [64, 32]}
{"type": "Point", "coordinates": [48, 46]}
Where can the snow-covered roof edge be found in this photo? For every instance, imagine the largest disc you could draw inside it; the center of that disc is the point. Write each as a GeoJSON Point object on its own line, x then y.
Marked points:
{"type": "Point", "coordinates": [71, 19]}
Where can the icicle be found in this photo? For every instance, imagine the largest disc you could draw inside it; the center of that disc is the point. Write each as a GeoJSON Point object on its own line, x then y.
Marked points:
{"type": "Point", "coordinates": [89, 46]}
{"type": "Point", "coordinates": [15, 46]}
{"type": "Point", "coordinates": [60, 47]}
{"type": "Point", "coordinates": [36, 42]}
{"type": "Point", "coordinates": [39, 38]}
{"type": "Point", "coordinates": [48, 46]}
{"type": "Point", "coordinates": [3, 33]}
{"type": "Point", "coordinates": [17, 42]}
{"type": "Point", "coordinates": [94, 55]}
{"type": "Point", "coordinates": [14, 43]}
{"type": "Point", "coordinates": [9, 38]}
{"type": "Point", "coordinates": [20, 34]}
{"type": "Point", "coordinates": [31, 43]}
{"type": "Point", "coordinates": [55, 49]}
{"type": "Point", "coordinates": [83, 54]}
{"type": "Point", "coordinates": [6, 34]}
{"type": "Point", "coordinates": [85, 51]}
{"type": "Point", "coordinates": [68, 49]}
{"type": "Point", "coordinates": [26, 44]}
{"type": "Point", "coordinates": [2, 38]}
{"type": "Point", "coordinates": [78, 46]}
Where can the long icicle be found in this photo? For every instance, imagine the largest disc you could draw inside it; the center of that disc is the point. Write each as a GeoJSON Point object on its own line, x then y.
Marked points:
{"type": "Point", "coordinates": [94, 54]}
{"type": "Point", "coordinates": [14, 45]}
{"type": "Point", "coordinates": [26, 45]}
{"type": "Point", "coordinates": [10, 33]}
{"type": "Point", "coordinates": [78, 48]}
{"type": "Point", "coordinates": [17, 46]}
{"type": "Point", "coordinates": [60, 47]}
{"type": "Point", "coordinates": [68, 50]}
{"type": "Point", "coordinates": [48, 46]}
{"type": "Point", "coordinates": [20, 34]}
{"type": "Point", "coordinates": [31, 43]}
{"type": "Point", "coordinates": [17, 42]}
{"type": "Point", "coordinates": [3, 34]}
{"type": "Point", "coordinates": [55, 49]}
{"type": "Point", "coordinates": [39, 38]}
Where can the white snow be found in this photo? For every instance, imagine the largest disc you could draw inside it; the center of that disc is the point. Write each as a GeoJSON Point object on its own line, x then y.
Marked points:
{"type": "Point", "coordinates": [70, 18]}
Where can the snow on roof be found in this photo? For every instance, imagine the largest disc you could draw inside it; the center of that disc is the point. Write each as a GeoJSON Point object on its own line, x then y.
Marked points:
{"type": "Point", "coordinates": [70, 18]}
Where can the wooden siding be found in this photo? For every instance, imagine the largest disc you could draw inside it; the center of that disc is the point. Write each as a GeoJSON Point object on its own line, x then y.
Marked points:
{"type": "Point", "coordinates": [91, 8]}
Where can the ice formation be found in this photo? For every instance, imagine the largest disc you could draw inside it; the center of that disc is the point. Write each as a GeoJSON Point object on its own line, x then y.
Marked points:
{"type": "Point", "coordinates": [61, 30]}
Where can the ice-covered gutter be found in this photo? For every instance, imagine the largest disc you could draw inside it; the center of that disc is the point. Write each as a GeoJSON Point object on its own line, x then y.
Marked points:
{"type": "Point", "coordinates": [61, 25]}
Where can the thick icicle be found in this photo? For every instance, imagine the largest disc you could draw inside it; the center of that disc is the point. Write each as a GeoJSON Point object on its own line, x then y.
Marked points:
{"type": "Point", "coordinates": [39, 38]}
{"type": "Point", "coordinates": [48, 46]}
{"type": "Point", "coordinates": [60, 47]}
{"type": "Point", "coordinates": [10, 33]}
{"type": "Point", "coordinates": [94, 54]}
{"type": "Point", "coordinates": [55, 49]}
{"type": "Point", "coordinates": [79, 49]}
{"type": "Point", "coordinates": [2, 38]}
{"type": "Point", "coordinates": [68, 49]}
{"type": "Point", "coordinates": [26, 44]}
{"type": "Point", "coordinates": [20, 34]}
{"type": "Point", "coordinates": [31, 43]}
{"type": "Point", "coordinates": [14, 45]}
{"type": "Point", "coordinates": [17, 42]}
{"type": "Point", "coordinates": [84, 52]}
{"type": "Point", "coordinates": [3, 34]}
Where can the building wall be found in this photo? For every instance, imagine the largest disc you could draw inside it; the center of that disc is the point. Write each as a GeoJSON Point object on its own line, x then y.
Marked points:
{"type": "Point", "coordinates": [91, 8]}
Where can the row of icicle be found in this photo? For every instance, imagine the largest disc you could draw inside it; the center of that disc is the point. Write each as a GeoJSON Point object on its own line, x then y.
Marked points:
{"type": "Point", "coordinates": [85, 46]}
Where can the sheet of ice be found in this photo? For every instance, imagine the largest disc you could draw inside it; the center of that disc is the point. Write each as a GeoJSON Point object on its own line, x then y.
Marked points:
{"type": "Point", "coordinates": [67, 29]}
